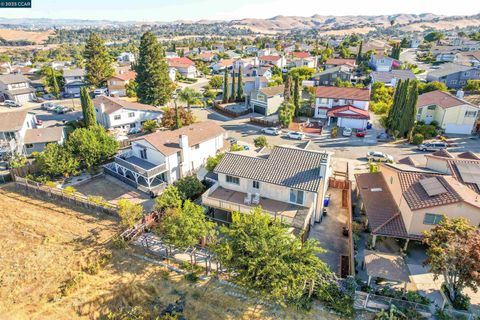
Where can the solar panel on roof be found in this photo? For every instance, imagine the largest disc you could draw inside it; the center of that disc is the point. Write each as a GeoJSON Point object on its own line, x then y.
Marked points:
{"type": "Point", "coordinates": [470, 172]}
{"type": "Point", "coordinates": [433, 186]}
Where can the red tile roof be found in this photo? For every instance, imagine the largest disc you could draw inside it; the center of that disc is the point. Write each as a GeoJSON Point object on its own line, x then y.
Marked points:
{"type": "Point", "coordinates": [341, 112]}
{"type": "Point", "coordinates": [441, 99]}
{"type": "Point", "coordinates": [180, 62]}
{"type": "Point", "coordinates": [270, 58]}
{"type": "Point", "coordinates": [339, 62]}
{"type": "Point", "coordinates": [343, 93]}
{"type": "Point", "coordinates": [300, 55]}
{"type": "Point", "coordinates": [126, 76]}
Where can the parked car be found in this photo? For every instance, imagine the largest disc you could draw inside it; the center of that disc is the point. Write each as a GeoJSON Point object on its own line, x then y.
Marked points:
{"type": "Point", "coordinates": [100, 92]}
{"type": "Point", "coordinates": [232, 141]}
{"type": "Point", "coordinates": [62, 109]}
{"type": "Point", "coordinates": [49, 96]}
{"type": "Point", "coordinates": [47, 106]}
{"type": "Point", "coordinates": [271, 131]}
{"type": "Point", "coordinates": [295, 135]}
{"type": "Point", "coordinates": [379, 156]}
{"type": "Point", "coordinates": [432, 146]}
{"type": "Point", "coordinates": [134, 130]}
{"type": "Point", "coordinates": [383, 137]}
{"type": "Point", "coordinates": [39, 124]}
{"type": "Point", "coordinates": [347, 132]}
{"type": "Point", "coordinates": [11, 103]}
{"type": "Point", "coordinates": [361, 133]}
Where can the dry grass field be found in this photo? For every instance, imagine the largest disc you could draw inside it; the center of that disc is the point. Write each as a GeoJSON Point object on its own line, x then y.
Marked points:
{"type": "Point", "coordinates": [57, 263]}
{"type": "Point", "coordinates": [33, 36]}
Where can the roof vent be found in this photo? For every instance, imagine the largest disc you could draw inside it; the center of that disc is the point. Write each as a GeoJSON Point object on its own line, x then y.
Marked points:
{"type": "Point", "coordinates": [376, 190]}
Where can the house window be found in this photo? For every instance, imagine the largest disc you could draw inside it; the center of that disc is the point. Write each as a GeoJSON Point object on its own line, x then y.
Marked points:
{"type": "Point", "coordinates": [131, 114]}
{"type": "Point", "coordinates": [117, 117]}
{"type": "Point", "coordinates": [256, 185]}
{"type": "Point", "coordinates": [431, 218]}
{"type": "Point", "coordinates": [433, 107]}
{"type": "Point", "coordinates": [143, 153]}
{"type": "Point", "coordinates": [323, 100]}
{"type": "Point", "coordinates": [197, 146]}
{"type": "Point", "coordinates": [260, 97]}
{"type": "Point", "coordinates": [462, 82]}
{"type": "Point", "coordinates": [470, 114]}
{"type": "Point", "coordinates": [29, 146]}
{"type": "Point", "coordinates": [467, 74]}
{"type": "Point", "coordinates": [453, 82]}
{"type": "Point", "coordinates": [233, 180]}
{"type": "Point", "coordinates": [296, 196]}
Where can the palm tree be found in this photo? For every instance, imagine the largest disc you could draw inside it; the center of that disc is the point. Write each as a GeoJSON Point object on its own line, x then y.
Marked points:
{"type": "Point", "coordinates": [190, 96]}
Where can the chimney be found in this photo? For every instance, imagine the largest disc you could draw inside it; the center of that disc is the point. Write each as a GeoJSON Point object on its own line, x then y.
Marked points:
{"type": "Point", "coordinates": [257, 82]}
{"type": "Point", "coordinates": [183, 138]}
{"type": "Point", "coordinates": [102, 107]}
{"type": "Point", "coordinates": [460, 94]}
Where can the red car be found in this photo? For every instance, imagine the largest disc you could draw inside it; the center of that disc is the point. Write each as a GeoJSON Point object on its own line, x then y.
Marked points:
{"type": "Point", "coordinates": [361, 133]}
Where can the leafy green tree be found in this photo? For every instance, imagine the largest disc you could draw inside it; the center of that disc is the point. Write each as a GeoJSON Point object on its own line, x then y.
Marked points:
{"type": "Point", "coordinates": [233, 94]}
{"type": "Point", "coordinates": [296, 94]}
{"type": "Point", "coordinates": [263, 256]}
{"type": "Point", "coordinates": [454, 252]}
{"type": "Point", "coordinates": [89, 116]}
{"type": "Point", "coordinates": [56, 160]}
{"type": "Point", "coordinates": [190, 96]}
{"type": "Point", "coordinates": [240, 85]}
{"type": "Point", "coordinates": [131, 89]}
{"type": "Point", "coordinates": [150, 126]}
{"type": "Point", "coordinates": [98, 62]}
{"type": "Point", "coordinates": [395, 54]}
{"type": "Point", "coordinates": [212, 162]}
{"type": "Point", "coordinates": [287, 92]}
{"type": "Point", "coordinates": [472, 86]}
{"type": "Point", "coordinates": [189, 186]}
{"type": "Point", "coordinates": [434, 36]}
{"type": "Point", "coordinates": [225, 86]}
{"type": "Point", "coordinates": [185, 227]}
{"type": "Point", "coordinates": [91, 146]}
{"type": "Point", "coordinates": [129, 212]}
{"type": "Point", "coordinates": [303, 73]}
{"type": "Point", "coordinates": [170, 198]}
{"type": "Point", "coordinates": [174, 118]}
{"type": "Point", "coordinates": [153, 83]}
{"type": "Point", "coordinates": [216, 82]}
{"type": "Point", "coordinates": [286, 113]}
{"type": "Point", "coordinates": [260, 142]}
{"type": "Point", "coordinates": [431, 86]}
{"type": "Point", "coordinates": [359, 53]}
{"type": "Point", "coordinates": [404, 43]}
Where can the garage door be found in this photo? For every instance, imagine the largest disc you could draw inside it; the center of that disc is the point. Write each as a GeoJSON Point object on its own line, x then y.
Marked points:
{"type": "Point", "coordinates": [352, 123]}
{"type": "Point", "coordinates": [459, 128]}
{"type": "Point", "coordinates": [259, 109]}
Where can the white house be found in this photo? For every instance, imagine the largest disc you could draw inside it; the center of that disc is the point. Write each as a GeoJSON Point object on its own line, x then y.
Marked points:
{"type": "Point", "coordinates": [115, 113]}
{"type": "Point", "coordinates": [126, 57]}
{"type": "Point", "coordinates": [301, 59]}
{"type": "Point", "coordinates": [16, 87]}
{"type": "Point", "coordinates": [347, 107]}
{"type": "Point", "coordinates": [293, 193]}
{"type": "Point", "coordinates": [278, 61]}
{"type": "Point", "coordinates": [163, 157]}
{"type": "Point", "coordinates": [380, 62]}
{"type": "Point", "coordinates": [184, 66]}
{"type": "Point", "coordinates": [266, 100]}
{"type": "Point", "coordinates": [13, 128]}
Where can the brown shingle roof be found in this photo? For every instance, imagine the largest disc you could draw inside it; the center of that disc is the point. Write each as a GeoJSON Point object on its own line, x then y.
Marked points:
{"type": "Point", "coordinates": [42, 135]}
{"type": "Point", "coordinates": [343, 93]}
{"type": "Point", "coordinates": [12, 121]}
{"type": "Point", "coordinates": [273, 91]}
{"type": "Point", "coordinates": [12, 78]}
{"type": "Point", "coordinates": [468, 155]}
{"type": "Point", "coordinates": [339, 61]}
{"type": "Point", "coordinates": [168, 142]}
{"type": "Point", "coordinates": [441, 99]}
{"type": "Point", "coordinates": [113, 104]}
{"type": "Point", "coordinates": [126, 76]}
{"type": "Point", "coordinates": [408, 161]}
{"type": "Point", "coordinates": [442, 153]}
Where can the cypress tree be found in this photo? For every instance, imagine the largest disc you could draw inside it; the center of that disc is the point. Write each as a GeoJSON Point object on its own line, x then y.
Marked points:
{"type": "Point", "coordinates": [359, 53]}
{"type": "Point", "coordinates": [287, 92]}
{"type": "Point", "coordinates": [240, 85]}
{"type": "Point", "coordinates": [55, 88]}
{"type": "Point", "coordinates": [225, 87]}
{"type": "Point", "coordinates": [178, 120]}
{"type": "Point", "coordinates": [87, 108]}
{"type": "Point", "coordinates": [233, 93]}
{"type": "Point", "coordinates": [98, 62]}
{"type": "Point", "coordinates": [296, 95]}
{"type": "Point", "coordinates": [154, 85]}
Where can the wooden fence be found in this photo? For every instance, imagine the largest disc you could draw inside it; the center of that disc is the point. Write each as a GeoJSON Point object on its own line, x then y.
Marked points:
{"type": "Point", "coordinates": [229, 113]}
{"type": "Point", "coordinates": [264, 123]}
{"type": "Point", "coordinates": [53, 194]}
{"type": "Point", "coordinates": [24, 171]}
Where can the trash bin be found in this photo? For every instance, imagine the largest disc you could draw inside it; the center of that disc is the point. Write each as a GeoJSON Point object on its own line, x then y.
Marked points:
{"type": "Point", "coordinates": [326, 200]}
{"type": "Point", "coordinates": [369, 126]}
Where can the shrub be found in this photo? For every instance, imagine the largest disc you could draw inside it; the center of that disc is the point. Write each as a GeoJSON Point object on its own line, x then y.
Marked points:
{"type": "Point", "coordinates": [260, 142]}
{"type": "Point", "coordinates": [69, 190]}
{"type": "Point", "coordinates": [338, 295]}
{"type": "Point", "coordinates": [212, 162]}
{"type": "Point", "coordinates": [379, 107]}
{"type": "Point", "coordinates": [118, 242]}
{"type": "Point", "coordinates": [417, 139]}
{"type": "Point", "coordinates": [189, 187]}
{"type": "Point", "coordinates": [427, 130]}
{"type": "Point", "coordinates": [51, 184]}
{"type": "Point", "coordinates": [192, 277]}
{"type": "Point", "coordinates": [129, 212]}
{"type": "Point", "coordinates": [98, 200]}
{"type": "Point", "coordinates": [462, 302]}
{"type": "Point", "coordinates": [150, 125]}
{"type": "Point", "coordinates": [236, 147]}
{"type": "Point", "coordinates": [334, 132]}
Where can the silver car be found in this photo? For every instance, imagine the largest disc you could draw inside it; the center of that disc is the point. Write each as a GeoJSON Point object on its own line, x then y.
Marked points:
{"type": "Point", "coordinates": [271, 131]}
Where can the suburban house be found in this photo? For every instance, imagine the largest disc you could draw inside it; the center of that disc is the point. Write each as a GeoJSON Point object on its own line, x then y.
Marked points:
{"type": "Point", "coordinates": [13, 128]}
{"type": "Point", "coordinates": [381, 62]}
{"type": "Point", "coordinates": [337, 62]}
{"type": "Point", "coordinates": [206, 56]}
{"type": "Point", "coordinates": [251, 71]}
{"type": "Point", "coordinates": [250, 50]}
{"type": "Point", "coordinates": [163, 157]}
{"type": "Point", "coordinates": [184, 66]}
{"type": "Point", "coordinates": [390, 78]}
{"type": "Point", "coordinates": [117, 84]}
{"type": "Point", "coordinates": [301, 59]}
{"type": "Point", "coordinates": [270, 60]}
{"type": "Point", "coordinates": [126, 58]}
{"type": "Point", "coordinates": [16, 87]}
{"type": "Point", "coordinates": [250, 84]}
{"type": "Point", "coordinates": [266, 100]}
{"type": "Point", "coordinates": [293, 193]}
{"type": "Point", "coordinates": [347, 107]}
{"type": "Point", "coordinates": [454, 75]}
{"type": "Point", "coordinates": [452, 113]}
{"type": "Point", "coordinates": [74, 81]}
{"type": "Point", "coordinates": [115, 113]}
{"type": "Point", "coordinates": [402, 201]}
{"type": "Point", "coordinates": [222, 64]}
{"type": "Point", "coordinates": [330, 76]}
{"type": "Point", "coordinates": [37, 139]}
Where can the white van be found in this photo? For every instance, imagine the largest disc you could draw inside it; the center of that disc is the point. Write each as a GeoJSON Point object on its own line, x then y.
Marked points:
{"type": "Point", "coordinates": [100, 92]}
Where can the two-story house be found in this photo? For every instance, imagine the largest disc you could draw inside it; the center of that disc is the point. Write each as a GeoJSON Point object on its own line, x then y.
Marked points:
{"type": "Point", "coordinates": [347, 107]}
{"type": "Point", "coordinates": [115, 113]}
{"type": "Point", "coordinates": [337, 62]}
{"type": "Point", "coordinates": [266, 100]}
{"type": "Point", "coordinates": [289, 184]}
{"type": "Point", "coordinates": [271, 60]}
{"type": "Point", "coordinates": [330, 76]}
{"type": "Point", "coordinates": [184, 66]}
{"type": "Point", "coordinates": [454, 75]}
{"type": "Point", "coordinates": [453, 114]}
{"type": "Point", "coordinates": [381, 62]}
{"type": "Point", "coordinates": [16, 87]}
{"type": "Point", "coordinates": [37, 139]}
{"type": "Point", "coordinates": [390, 78]}
{"type": "Point", "coordinates": [13, 128]}
{"type": "Point", "coordinates": [117, 84]}
{"type": "Point", "coordinates": [250, 84]}
{"type": "Point", "coordinates": [74, 81]}
{"type": "Point", "coordinates": [301, 59]}
{"type": "Point", "coordinates": [402, 201]}
{"type": "Point", "coordinates": [126, 58]}
{"type": "Point", "coordinates": [163, 157]}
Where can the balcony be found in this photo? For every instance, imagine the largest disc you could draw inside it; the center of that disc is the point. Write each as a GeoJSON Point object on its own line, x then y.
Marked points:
{"type": "Point", "coordinates": [229, 200]}
{"type": "Point", "coordinates": [8, 146]}
{"type": "Point", "coordinates": [140, 166]}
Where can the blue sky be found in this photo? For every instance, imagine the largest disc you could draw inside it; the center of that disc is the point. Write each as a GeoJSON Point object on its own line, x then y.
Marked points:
{"type": "Point", "coordinates": [169, 10]}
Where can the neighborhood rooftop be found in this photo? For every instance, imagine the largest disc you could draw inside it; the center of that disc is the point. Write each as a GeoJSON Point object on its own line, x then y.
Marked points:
{"type": "Point", "coordinates": [44, 135]}
{"type": "Point", "coordinates": [441, 99]}
{"type": "Point", "coordinates": [343, 93]}
{"type": "Point", "coordinates": [112, 104]}
{"type": "Point", "coordinates": [12, 121]}
{"type": "Point", "coordinates": [12, 78]}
